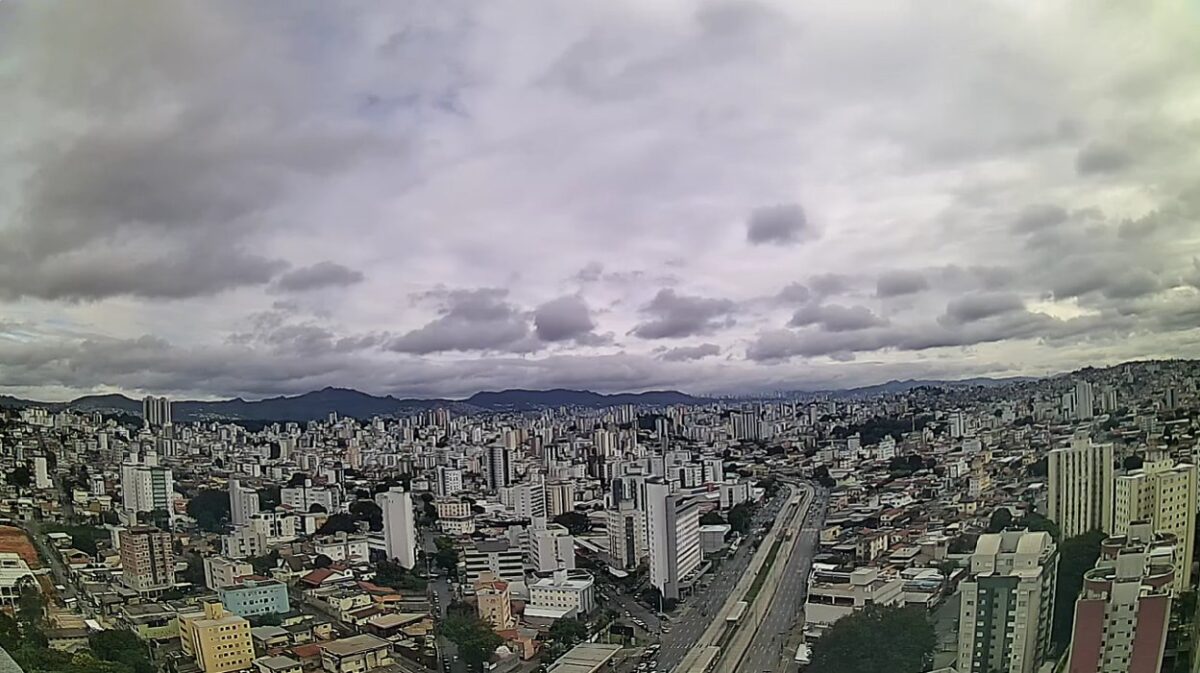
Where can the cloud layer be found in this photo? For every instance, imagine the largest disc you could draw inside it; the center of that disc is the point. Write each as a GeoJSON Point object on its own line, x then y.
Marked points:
{"type": "Point", "coordinates": [216, 198]}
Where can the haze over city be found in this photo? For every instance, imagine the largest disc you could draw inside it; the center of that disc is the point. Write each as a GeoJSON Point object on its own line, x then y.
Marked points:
{"type": "Point", "coordinates": [435, 198]}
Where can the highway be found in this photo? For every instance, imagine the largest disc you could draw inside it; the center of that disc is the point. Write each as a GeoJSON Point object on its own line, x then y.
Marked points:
{"type": "Point", "coordinates": [774, 645]}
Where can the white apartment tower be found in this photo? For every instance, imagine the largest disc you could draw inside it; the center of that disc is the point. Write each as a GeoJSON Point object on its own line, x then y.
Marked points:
{"type": "Point", "coordinates": [449, 481]}
{"type": "Point", "coordinates": [499, 467]}
{"type": "Point", "coordinates": [673, 531]}
{"type": "Point", "coordinates": [146, 486]}
{"type": "Point", "coordinates": [1163, 494]}
{"type": "Point", "coordinates": [399, 526]}
{"type": "Point", "coordinates": [1081, 487]}
{"type": "Point", "coordinates": [1007, 603]}
{"type": "Point", "coordinates": [156, 411]}
{"type": "Point", "coordinates": [243, 503]}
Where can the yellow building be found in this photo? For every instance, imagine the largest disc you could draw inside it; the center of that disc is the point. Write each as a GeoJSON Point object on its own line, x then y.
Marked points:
{"type": "Point", "coordinates": [494, 602]}
{"type": "Point", "coordinates": [1164, 494]}
{"type": "Point", "coordinates": [218, 640]}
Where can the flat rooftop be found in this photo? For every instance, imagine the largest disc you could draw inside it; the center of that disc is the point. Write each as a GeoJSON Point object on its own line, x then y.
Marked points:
{"type": "Point", "coordinates": [585, 658]}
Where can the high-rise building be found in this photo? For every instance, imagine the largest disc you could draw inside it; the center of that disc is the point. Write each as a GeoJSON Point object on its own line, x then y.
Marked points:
{"type": "Point", "coordinates": [1085, 401]}
{"type": "Point", "coordinates": [499, 467]}
{"type": "Point", "coordinates": [1081, 487]}
{"type": "Point", "coordinates": [526, 500]}
{"type": "Point", "coordinates": [1163, 494]}
{"type": "Point", "coordinates": [560, 498]}
{"type": "Point", "coordinates": [627, 535]}
{"type": "Point", "coordinates": [449, 481]}
{"type": "Point", "coordinates": [673, 531]}
{"type": "Point", "coordinates": [1123, 614]}
{"type": "Point", "coordinates": [551, 548]}
{"type": "Point", "coordinates": [156, 411]}
{"type": "Point", "coordinates": [494, 602]}
{"type": "Point", "coordinates": [217, 639]}
{"type": "Point", "coordinates": [147, 559]}
{"type": "Point", "coordinates": [1007, 603]}
{"type": "Point", "coordinates": [41, 473]}
{"type": "Point", "coordinates": [146, 486]}
{"type": "Point", "coordinates": [243, 503]}
{"type": "Point", "coordinates": [399, 526]}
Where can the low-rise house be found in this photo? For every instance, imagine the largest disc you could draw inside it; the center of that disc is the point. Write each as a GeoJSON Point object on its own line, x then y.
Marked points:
{"type": "Point", "coordinates": [355, 654]}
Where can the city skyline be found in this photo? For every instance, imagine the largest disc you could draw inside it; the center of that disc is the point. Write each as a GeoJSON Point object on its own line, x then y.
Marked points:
{"type": "Point", "coordinates": [214, 200]}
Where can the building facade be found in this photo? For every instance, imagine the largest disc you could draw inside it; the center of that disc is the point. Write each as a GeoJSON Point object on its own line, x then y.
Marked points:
{"type": "Point", "coordinates": [1081, 487]}
{"type": "Point", "coordinates": [147, 559]}
{"type": "Point", "coordinates": [218, 640]}
{"type": "Point", "coordinates": [673, 532]}
{"type": "Point", "coordinates": [255, 597]}
{"type": "Point", "coordinates": [399, 526]}
{"type": "Point", "coordinates": [1164, 494]}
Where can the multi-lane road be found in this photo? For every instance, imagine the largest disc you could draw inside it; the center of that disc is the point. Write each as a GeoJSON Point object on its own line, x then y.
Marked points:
{"type": "Point", "coordinates": [774, 644]}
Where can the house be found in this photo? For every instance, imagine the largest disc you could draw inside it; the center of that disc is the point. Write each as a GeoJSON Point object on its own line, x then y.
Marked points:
{"type": "Point", "coordinates": [67, 640]}
{"type": "Point", "coordinates": [355, 654]}
{"type": "Point", "coordinates": [277, 664]}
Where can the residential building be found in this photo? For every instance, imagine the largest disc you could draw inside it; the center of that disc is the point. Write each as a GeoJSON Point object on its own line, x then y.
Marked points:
{"type": "Point", "coordinates": [217, 639]}
{"type": "Point", "coordinates": [627, 535]}
{"type": "Point", "coordinates": [302, 498]}
{"type": "Point", "coordinates": [255, 597]}
{"type": "Point", "coordinates": [560, 498]}
{"type": "Point", "coordinates": [499, 467]}
{"type": "Point", "coordinates": [551, 548]}
{"type": "Point", "coordinates": [1081, 487]}
{"type": "Point", "coordinates": [1123, 614]}
{"type": "Point", "coordinates": [564, 590]}
{"type": "Point", "coordinates": [496, 556]}
{"type": "Point", "coordinates": [146, 486]}
{"type": "Point", "coordinates": [1007, 603]}
{"type": "Point", "coordinates": [147, 559]}
{"type": "Point", "coordinates": [494, 602]}
{"type": "Point", "coordinates": [243, 503]}
{"type": "Point", "coordinates": [15, 575]}
{"type": "Point", "coordinates": [455, 516]}
{"type": "Point", "coordinates": [673, 532]}
{"type": "Point", "coordinates": [343, 546]}
{"type": "Point", "coordinates": [449, 481]}
{"type": "Point", "coordinates": [355, 654]}
{"type": "Point", "coordinates": [1164, 494]}
{"type": "Point", "coordinates": [399, 526]}
{"type": "Point", "coordinates": [222, 572]}
{"type": "Point", "coordinates": [525, 501]}
{"type": "Point", "coordinates": [156, 411]}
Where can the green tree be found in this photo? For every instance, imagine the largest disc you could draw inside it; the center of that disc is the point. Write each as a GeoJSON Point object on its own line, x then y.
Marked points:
{"type": "Point", "coordinates": [446, 556]}
{"type": "Point", "coordinates": [30, 606]}
{"type": "Point", "coordinates": [210, 509]}
{"type": "Point", "coordinates": [269, 619]}
{"type": "Point", "coordinates": [713, 518]}
{"type": "Point", "coordinates": [876, 640]}
{"type": "Point", "coordinates": [124, 647]}
{"type": "Point", "coordinates": [391, 574]}
{"type": "Point", "coordinates": [340, 522]}
{"type": "Point", "coordinates": [1038, 523]}
{"type": "Point", "coordinates": [475, 640]}
{"type": "Point", "coordinates": [568, 632]}
{"type": "Point", "coordinates": [263, 564]}
{"type": "Point", "coordinates": [1001, 519]}
{"type": "Point", "coordinates": [1076, 556]}
{"type": "Point", "coordinates": [20, 476]}
{"type": "Point", "coordinates": [367, 510]}
{"type": "Point", "coordinates": [575, 522]}
{"type": "Point", "coordinates": [740, 517]}
{"type": "Point", "coordinates": [194, 572]}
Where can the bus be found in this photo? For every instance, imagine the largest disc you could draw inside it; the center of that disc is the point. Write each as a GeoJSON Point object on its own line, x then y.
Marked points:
{"type": "Point", "coordinates": [803, 655]}
{"type": "Point", "coordinates": [735, 615]}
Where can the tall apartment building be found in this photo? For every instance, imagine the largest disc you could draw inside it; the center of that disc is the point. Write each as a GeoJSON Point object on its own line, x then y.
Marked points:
{"type": "Point", "coordinates": [627, 535]}
{"type": "Point", "coordinates": [147, 559]}
{"type": "Point", "coordinates": [243, 503]}
{"type": "Point", "coordinates": [560, 498]}
{"type": "Point", "coordinates": [1007, 603]}
{"type": "Point", "coordinates": [146, 486]}
{"type": "Point", "coordinates": [449, 481]}
{"type": "Point", "coordinates": [1164, 494]}
{"type": "Point", "coordinates": [1085, 401]}
{"type": "Point", "coordinates": [499, 466]}
{"type": "Point", "coordinates": [399, 526]}
{"type": "Point", "coordinates": [673, 532]}
{"type": "Point", "coordinates": [525, 501]}
{"type": "Point", "coordinates": [156, 411]}
{"type": "Point", "coordinates": [494, 602]}
{"type": "Point", "coordinates": [1123, 614]}
{"type": "Point", "coordinates": [551, 548]}
{"type": "Point", "coordinates": [302, 498]}
{"type": "Point", "coordinates": [218, 640]}
{"type": "Point", "coordinates": [1081, 487]}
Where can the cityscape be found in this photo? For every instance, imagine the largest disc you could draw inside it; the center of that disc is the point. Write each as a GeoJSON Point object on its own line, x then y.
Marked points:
{"type": "Point", "coordinates": [599, 336]}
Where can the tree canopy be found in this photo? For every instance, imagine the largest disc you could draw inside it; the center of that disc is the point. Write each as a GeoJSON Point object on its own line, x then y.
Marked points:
{"type": "Point", "coordinates": [575, 522]}
{"type": "Point", "coordinates": [713, 518]}
{"type": "Point", "coordinates": [210, 509]}
{"type": "Point", "coordinates": [474, 637]}
{"type": "Point", "coordinates": [876, 640]}
{"type": "Point", "coordinates": [1076, 556]}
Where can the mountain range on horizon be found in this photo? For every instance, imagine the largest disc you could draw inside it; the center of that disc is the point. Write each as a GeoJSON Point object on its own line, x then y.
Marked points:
{"type": "Point", "coordinates": [318, 404]}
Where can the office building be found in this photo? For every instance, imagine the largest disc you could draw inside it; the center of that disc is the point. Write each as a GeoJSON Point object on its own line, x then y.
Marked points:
{"type": "Point", "coordinates": [156, 411]}
{"type": "Point", "coordinates": [499, 468]}
{"type": "Point", "coordinates": [255, 597]}
{"type": "Point", "coordinates": [147, 559]}
{"type": "Point", "coordinates": [1123, 614]}
{"type": "Point", "coordinates": [1081, 487]}
{"type": "Point", "coordinates": [217, 639]}
{"type": "Point", "coordinates": [399, 526]}
{"type": "Point", "coordinates": [1164, 494]}
{"type": "Point", "coordinates": [673, 533]}
{"type": "Point", "coordinates": [1007, 603]}
{"type": "Point", "coordinates": [495, 556]}
{"type": "Point", "coordinates": [243, 503]}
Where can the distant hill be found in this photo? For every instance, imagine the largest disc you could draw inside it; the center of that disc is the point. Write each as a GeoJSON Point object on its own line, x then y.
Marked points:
{"type": "Point", "coordinates": [318, 404]}
{"type": "Point", "coordinates": [895, 386]}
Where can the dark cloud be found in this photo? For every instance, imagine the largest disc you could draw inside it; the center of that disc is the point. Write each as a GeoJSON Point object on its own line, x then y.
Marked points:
{"type": "Point", "coordinates": [319, 275]}
{"type": "Point", "coordinates": [829, 284]}
{"type": "Point", "coordinates": [1097, 158]}
{"type": "Point", "coordinates": [471, 320]}
{"type": "Point", "coordinates": [974, 307]}
{"type": "Point", "coordinates": [836, 318]}
{"type": "Point", "coordinates": [1132, 284]}
{"type": "Point", "coordinates": [779, 225]}
{"type": "Point", "coordinates": [675, 315]}
{"type": "Point", "coordinates": [794, 293]}
{"type": "Point", "coordinates": [1038, 217]}
{"type": "Point", "coordinates": [688, 353]}
{"type": "Point", "coordinates": [899, 283]}
{"type": "Point", "coordinates": [564, 319]}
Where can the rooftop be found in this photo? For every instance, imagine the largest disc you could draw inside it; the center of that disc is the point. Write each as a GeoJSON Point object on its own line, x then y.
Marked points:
{"type": "Point", "coordinates": [354, 645]}
{"type": "Point", "coordinates": [585, 658]}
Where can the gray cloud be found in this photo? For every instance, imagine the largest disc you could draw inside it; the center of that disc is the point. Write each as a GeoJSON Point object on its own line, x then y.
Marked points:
{"type": "Point", "coordinates": [1038, 217]}
{"type": "Point", "coordinates": [829, 284]}
{"type": "Point", "coordinates": [836, 318]}
{"type": "Point", "coordinates": [794, 293]}
{"type": "Point", "coordinates": [564, 319]}
{"type": "Point", "coordinates": [675, 315]}
{"type": "Point", "coordinates": [900, 282]}
{"type": "Point", "coordinates": [320, 275]}
{"type": "Point", "coordinates": [975, 307]}
{"type": "Point", "coordinates": [779, 225]}
{"type": "Point", "coordinates": [1097, 158]}
{"type": "Point", "coordinates": [688, 353]}
{"type": "Point", "coordinates": [471, 320]}
{"type": "Point", "coordinates": [1131, 284]}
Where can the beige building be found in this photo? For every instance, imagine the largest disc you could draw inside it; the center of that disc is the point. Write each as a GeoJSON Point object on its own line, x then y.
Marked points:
{"type": "Point", "coordinates": [355, 654]}
{"type": "Point", "coordinates": [1165, 495]}
{"type": "Point", "coordinates": [1081, 487]}
{"type": "Point", "coordinates": [218, 640]}
{"type": "Point", "coordinates": [834, 593]}
{"type": "Point", "coordinates": [1007, 603]}
{"type": "Point", "coordinates": [147, 559]}
{"type": "Point", "coordinates": [494, 601]}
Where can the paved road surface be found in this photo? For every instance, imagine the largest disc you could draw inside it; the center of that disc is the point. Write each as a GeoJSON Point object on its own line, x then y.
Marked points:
{"type": "Point", "coordinates": [773, 647]}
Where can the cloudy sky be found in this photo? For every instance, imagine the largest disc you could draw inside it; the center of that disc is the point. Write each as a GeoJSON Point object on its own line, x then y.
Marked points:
{"type": "Point", "coordinates": [432, 198]}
